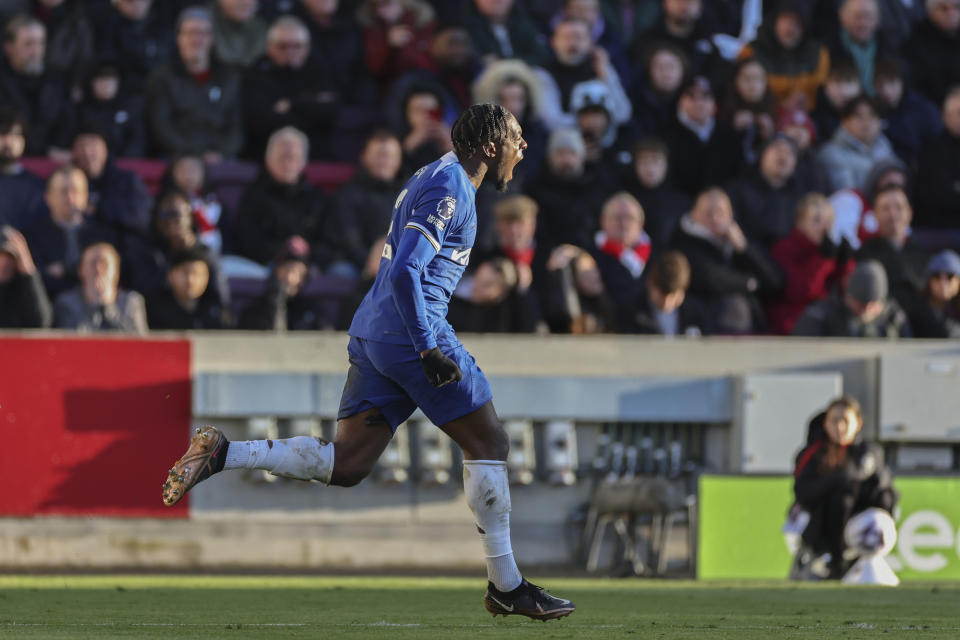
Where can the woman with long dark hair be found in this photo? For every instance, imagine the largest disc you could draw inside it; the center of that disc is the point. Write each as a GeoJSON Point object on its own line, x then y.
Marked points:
{"type": "Point", "coordinates": [837, 476]}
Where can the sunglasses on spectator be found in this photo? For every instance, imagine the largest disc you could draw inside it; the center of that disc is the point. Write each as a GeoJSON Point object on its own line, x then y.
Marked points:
{"type": "Point", "coordinates": [291, 45]}
{"type": "Point", "coordinates": [940, 275]}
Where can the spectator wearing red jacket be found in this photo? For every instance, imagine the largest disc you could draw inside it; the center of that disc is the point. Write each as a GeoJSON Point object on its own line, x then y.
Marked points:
{"type": "Point", "coordinates": [812, 264]}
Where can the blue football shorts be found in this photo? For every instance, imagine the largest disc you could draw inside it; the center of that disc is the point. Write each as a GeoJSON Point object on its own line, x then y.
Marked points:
{"type": "Point", "coordinates": [389, 377]}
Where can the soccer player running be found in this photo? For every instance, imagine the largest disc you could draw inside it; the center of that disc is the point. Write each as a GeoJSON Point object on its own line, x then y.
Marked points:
{"type": "Point", "coordinates": [403, 354]}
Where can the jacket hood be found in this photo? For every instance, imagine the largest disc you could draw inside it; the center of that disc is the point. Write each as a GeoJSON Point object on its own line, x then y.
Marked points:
{"type": "Point", "coordinates": [488, 84]}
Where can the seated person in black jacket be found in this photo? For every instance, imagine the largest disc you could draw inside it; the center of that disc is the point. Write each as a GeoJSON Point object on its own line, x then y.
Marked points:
{"type": "Point", "coordinates": [285, 87]}
{"type": "Point", "coordinates": [23, 300]}
{"type": "Point", "coordinates": [703, 150]}
{"type": "Point", "coordinates": [728, 273]}
{"type": "Point", "coordinates": [284, 306]}
{"type": "Point", "coordinates": [664, 308]}
{"type": "Point", "coordinates": [281, 203]}
{"type": "Point", "coordinates": [188, 301]}
{"type": "Point", "coordinates": [365, 203]}
{"type": "Point", "coordinates": [22, 191]}
{"type": "Point", "coordinates": [837, 476]}
{"type": "Point", "coordinates": [117, 111]}
{"type": "Point", "coordinates": [118, 198]}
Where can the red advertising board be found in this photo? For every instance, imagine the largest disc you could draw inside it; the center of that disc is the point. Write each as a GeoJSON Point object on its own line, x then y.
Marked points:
{"type": "Point", "coordinates": [90, 426]}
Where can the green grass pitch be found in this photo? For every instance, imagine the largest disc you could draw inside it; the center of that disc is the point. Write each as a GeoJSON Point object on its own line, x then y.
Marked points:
{"type": "Point", "coordinates": [183, 607]}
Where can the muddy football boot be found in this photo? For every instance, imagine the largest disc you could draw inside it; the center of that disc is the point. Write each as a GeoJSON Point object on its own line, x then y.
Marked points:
{"type": "Point", "coordinates": [526, 600]}
{"type": "Point", "coordinates": [204, 457]}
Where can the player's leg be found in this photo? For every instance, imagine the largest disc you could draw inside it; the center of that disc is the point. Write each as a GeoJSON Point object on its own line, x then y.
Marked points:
{"type": "Point", "coordinates": [371, 408]}
{"type": "Point", "coordinates": [361, 438]}
{"type": "Point", "coordinates": [487, 490]}
{"type": "Point", "coordinates": [485, 446]}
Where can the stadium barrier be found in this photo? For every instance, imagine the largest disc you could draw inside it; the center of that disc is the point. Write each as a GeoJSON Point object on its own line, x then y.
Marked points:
{"type": "Point", "coordinates": [95, 418]}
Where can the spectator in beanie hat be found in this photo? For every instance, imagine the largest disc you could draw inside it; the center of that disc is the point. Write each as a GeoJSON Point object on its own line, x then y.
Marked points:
{"type": "Point", "coordinates": [862, 311]}
{"type": "Point", "coordinates": [939, 317]}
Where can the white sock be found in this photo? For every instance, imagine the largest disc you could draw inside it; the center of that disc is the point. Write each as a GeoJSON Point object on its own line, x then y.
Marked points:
{"type": "Point", "coordinates": [300, 457]}
{"type": "Point", "coordinates": [488, 495]}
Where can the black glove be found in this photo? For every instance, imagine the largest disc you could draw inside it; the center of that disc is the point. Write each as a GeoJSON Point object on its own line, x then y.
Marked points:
{"type": "Point", "coordinates": [844, 252]}
{"type": "Point", "coordinates": [439, 368]}
{"type": "Point", "coordinates": [828, 249]}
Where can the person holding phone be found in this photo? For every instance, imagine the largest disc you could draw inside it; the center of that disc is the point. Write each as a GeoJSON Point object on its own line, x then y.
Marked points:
{"type": "Point", "coordinates": [427, 135]}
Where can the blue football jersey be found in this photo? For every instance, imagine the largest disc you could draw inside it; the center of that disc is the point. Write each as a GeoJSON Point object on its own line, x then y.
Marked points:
{"type": "Point", "coordinates": [418, 273]}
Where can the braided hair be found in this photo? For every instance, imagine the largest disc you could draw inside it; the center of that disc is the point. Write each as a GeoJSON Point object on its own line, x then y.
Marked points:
{"type": "Point", "coordinates": [478, 125]}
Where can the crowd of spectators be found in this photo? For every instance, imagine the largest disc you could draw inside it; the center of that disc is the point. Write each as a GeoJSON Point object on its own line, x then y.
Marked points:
{"type": "Point", "coordinates": [694, 167]}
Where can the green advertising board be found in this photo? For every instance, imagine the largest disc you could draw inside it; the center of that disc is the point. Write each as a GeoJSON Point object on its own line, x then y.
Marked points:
{"type": "Point", "coordinates": [740, 521]}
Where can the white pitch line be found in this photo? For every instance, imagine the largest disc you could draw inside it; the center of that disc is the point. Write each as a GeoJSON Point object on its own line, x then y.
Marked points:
{"type": "Point", "coordinates": [383, 623]}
